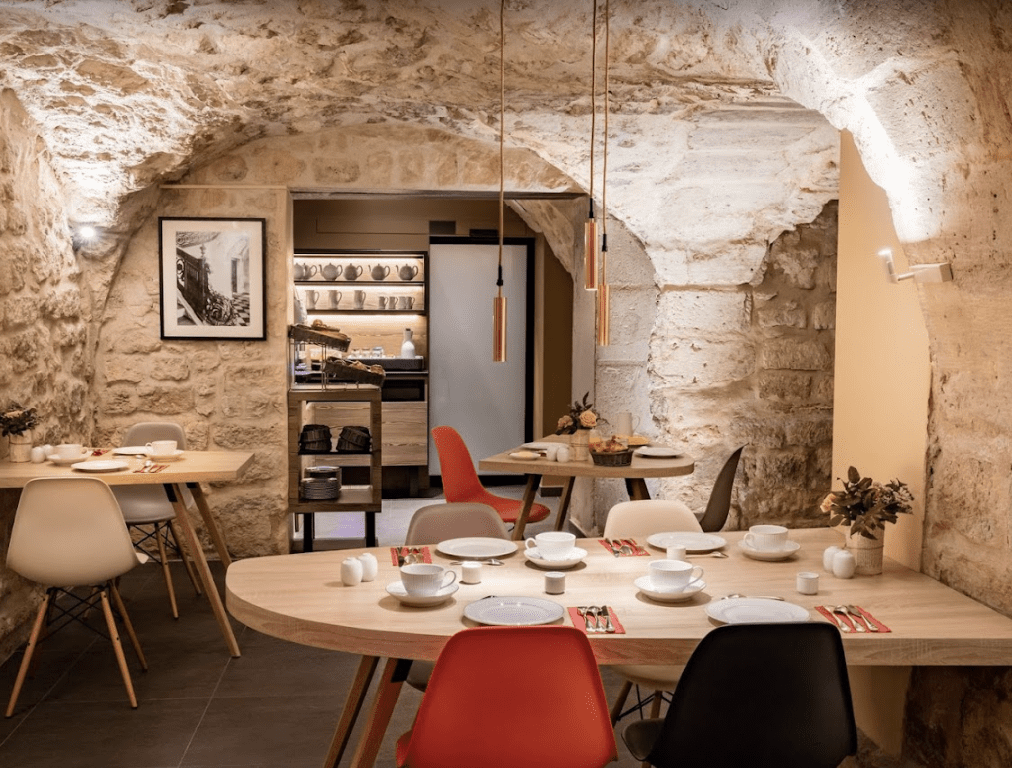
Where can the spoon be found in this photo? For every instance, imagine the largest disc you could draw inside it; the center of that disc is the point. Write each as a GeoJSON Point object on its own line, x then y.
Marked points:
{"type": "Point", "coordinates": [858, 625]}
{"type": "Point", "coordinates": [860, 617]}
{"type": "Point", "coordinates": [594, 611]}
{"type": "Point", "coordinates": [490, 561]}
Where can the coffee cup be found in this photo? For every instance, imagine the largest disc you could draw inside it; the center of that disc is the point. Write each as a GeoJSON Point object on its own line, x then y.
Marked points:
{"type": "Point", "coordinates": [161, 447]}
{"type": "Point", "coordinates": [766, 538]}
{"type": "Point", "coordinates": [426, 579]}
{"type": "Point", "coordinates": [673, 575]}
{"type": "Point", "coordinates": [69, 450]}
{"type": "Point", "coordinates": [552, 545]}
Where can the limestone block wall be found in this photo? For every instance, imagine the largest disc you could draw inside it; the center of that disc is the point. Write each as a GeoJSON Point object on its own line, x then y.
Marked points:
{"type": "Point", "coordinates": [45, 306]}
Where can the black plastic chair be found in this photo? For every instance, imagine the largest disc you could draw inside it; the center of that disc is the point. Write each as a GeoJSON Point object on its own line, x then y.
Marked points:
{"type": "Point", "coordinates": [756, 694]}
{"type": "Point", "coordinates": [719, 504]}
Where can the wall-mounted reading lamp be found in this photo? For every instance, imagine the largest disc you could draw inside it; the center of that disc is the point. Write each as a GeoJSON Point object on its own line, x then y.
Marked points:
{"type": "Point", "coordinates": [919, 273]}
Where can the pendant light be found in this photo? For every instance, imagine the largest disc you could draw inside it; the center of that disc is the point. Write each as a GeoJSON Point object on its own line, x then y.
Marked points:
{"type": "Point", "coordinates": [603, 289]}
{"type": "Point", "coordinates": [499, 302]}
{"type": "Point", "coordinates": [590, 227]}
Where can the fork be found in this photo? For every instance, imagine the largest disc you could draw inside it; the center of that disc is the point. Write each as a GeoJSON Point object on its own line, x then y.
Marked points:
{"type": "Point", "coordinates": [606, 612]}
{"type": "Point", "coordinates": [583, 610]}
{"type": "Point", "coordinates": [860, 617]}
{"type": "Point", "coordinates": [842, 610]}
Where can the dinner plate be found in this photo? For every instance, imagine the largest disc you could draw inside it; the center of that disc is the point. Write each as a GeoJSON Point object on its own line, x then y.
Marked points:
{"type": "Point", "coordinates": [645, 585]}
{"type": "Point", "coordinates": [396, 589]}
{"type": "Point", "coordinates": [525, 455]}
{"type": "Point", "coordinates": [656, 452]}
{"type": "Point", "coordinates": [755, 610]}
{"type": "Point", "coordinates": [107, 465]}
{"type": "Point", "coordinates": [72, 460]}
{"type": "Point", "coordinates": [691, 540]}
{"type": "Point", "coordinates": [473, 547]}
{"type": "Point", "coordinates": [516, 611]}
{"type": "Point", "coordinates": [131, 450]}
{"type": "Point", "coordinates": [542, 446]}
{"type": "Point", "coordinates": [572, 558]}
{"type": "Point", "coordinates": [772, 556]}
{"type": "Point", "coordinates": [165, 457]}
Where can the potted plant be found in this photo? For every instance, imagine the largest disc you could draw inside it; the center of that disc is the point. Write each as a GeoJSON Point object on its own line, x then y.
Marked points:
{"type": "Point", "coordinates": [866, 506]}
{"type": "Point", "coordinates": [16, 422]}
{"type": "Point", "coordinates": [578, 423]}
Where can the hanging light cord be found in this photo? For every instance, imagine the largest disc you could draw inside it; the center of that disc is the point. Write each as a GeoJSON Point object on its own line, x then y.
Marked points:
{"type": "Point", "coordinates": [593, 104]}
{"type": "Point", "coordinates": [502, 131]}
{"type": "Point", "coordinates": [604, 154]}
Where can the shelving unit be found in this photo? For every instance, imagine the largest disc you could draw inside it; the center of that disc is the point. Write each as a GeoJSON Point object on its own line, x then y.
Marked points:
{"type": "Point", "coordinates": [337, 406]}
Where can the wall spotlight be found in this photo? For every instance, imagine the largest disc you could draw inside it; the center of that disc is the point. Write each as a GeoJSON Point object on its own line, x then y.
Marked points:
{"type": "Point", "coordinates": [919, 273]}
{"type": "Point", "coordinates": [83, 235]}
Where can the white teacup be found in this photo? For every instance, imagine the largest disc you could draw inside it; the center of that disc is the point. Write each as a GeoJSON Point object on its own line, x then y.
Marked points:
{"type": "Point", "coordinates": [426, 579]}
{"type": "Point", "coordinates": [766, 538]}
{"type": "Point", "coordinates": [161, 448]}
{"type": "Point", "coordinates": [69, 450]}
{"type": "Point", "coordinates": [674, 575]}
{"type": "Point", "coordinates": [553, 545]}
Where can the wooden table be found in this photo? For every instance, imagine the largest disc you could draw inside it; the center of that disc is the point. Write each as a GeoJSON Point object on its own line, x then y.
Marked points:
{"type": "Point", "coordinates": [634, 475]}
{"type": "Point", "coordinates": [300, 598]}
{"type": "Point", "coordinates": [191, 469]}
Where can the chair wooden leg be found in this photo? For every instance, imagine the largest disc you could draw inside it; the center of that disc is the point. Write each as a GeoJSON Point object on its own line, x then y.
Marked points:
{"type": "Point", "coordinates": [655, 706]}
{"type": "Point", "coordinates": [187, 561]}
{"type": "Point", "coordinates": [117, 647]}
{"type": "Point", "coordinates": [616, 709]}
{"type": "Point", "coordinates": [33, 639]}
{"type": "Point", "coordinates": [166, 573]}
{"type": "Point", "coordinates": [121, 607]}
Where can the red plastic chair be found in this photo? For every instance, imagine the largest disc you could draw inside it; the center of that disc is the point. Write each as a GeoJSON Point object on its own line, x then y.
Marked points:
{"type": "Point", "coordinates": [461, 483]}
{"type": "Point", "coordinates": [483, 707]}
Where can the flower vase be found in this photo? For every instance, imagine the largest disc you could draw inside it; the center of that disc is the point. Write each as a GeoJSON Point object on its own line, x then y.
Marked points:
{"type": "Point", "coordinates": [579, 445]}
{"type": "Point", "coordinates": [867, 552]}
{"type": "Point", "coordinates": [20, 447]}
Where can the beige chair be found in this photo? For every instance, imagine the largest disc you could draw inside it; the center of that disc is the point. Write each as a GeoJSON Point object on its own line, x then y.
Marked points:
{"type": "Point", "coordinates": [434, 523]}
{"type": "Point", "coordinates": [639, 519]}
{"type": "Point", "coordinates": [69, 532]}
{"type": "Point", "coordinates": [147, 508]}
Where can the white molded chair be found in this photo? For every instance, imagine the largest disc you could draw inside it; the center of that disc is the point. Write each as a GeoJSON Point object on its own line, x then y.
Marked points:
{"type": "Point", "coordinates": [434, 523]}
{"type": "Point", "coordinates": [639, 519]}
{"type": "Point", "coordinates": [69, 532]}
{"type": "Point", "coordinates": [147, 508]}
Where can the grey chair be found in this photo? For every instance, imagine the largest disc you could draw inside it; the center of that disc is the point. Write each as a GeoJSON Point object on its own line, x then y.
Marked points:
{"type": "Point", "coordinates": [434, 523]}
{"type": "Point", "coordinates": [719, 505]}
{"type": "Point", "coordinates": [147, 508]}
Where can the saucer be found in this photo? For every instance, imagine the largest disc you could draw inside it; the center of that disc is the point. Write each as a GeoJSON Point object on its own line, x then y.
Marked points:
{"type": "Point", "coordinates": [525, 455]}
{"type": "Point", "coordinates": [64, 462]}
{"type": "Point", "coordinates": [573, 557]}
{"type": "Point", "coordinates": [770, 555]}
{"type": "Point", "coordinates": [396, 588]}
{"type": "Point", "coordinates": [645, 585]}
{"type": "Point", "coordinates": [166, 457]}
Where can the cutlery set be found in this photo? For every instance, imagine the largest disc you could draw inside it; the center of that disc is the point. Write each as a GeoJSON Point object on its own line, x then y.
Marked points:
{"type": "Point", "coordinates": [408, 555]}
{"type": "Point", "coordinates": [150, 468]}
{"type": "Point", "coordinates": [620, 547]}
{"type": "Point", "coordinates": [593, 615]}
{"type": "Point", "coordinates": [850, 618]}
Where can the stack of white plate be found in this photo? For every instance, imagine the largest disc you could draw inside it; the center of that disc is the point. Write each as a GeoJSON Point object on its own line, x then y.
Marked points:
{"type": "Point", "coordinates": [321, 489]}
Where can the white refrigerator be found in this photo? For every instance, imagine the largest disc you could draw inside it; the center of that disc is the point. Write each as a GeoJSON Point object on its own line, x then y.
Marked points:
{"type": "Point", "coordinates": [485, 402]}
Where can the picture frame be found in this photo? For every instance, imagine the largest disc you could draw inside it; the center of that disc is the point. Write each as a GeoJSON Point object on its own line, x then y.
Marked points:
{"type": "Point", "coordinates": [213, 278]}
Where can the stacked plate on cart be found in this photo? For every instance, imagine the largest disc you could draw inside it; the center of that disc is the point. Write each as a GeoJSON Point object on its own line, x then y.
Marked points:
{"type": "Point", "coordinates": [322, 484]}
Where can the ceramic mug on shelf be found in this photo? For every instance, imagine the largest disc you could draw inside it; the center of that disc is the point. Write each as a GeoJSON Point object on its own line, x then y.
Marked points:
{"type": "Point", "coordinates": [407, 272]}
{"type": "Point", "coordinates": [382, 302]}
{"type": "Point", "coordinates": [392, 302]}
{"type": "Point", "coordinates": [380, 272]}
{"type": "Point", "coordinates": [352, 271]}
{"type": "Point", "coordinates": [359, 299]}
{"type": "Point", "coordinates": [311, 298]}
{"type": "Point", "coordinates": [407, 302]}
{"type": "Point", "coordinates": [335, 298]}
{"type": "Point", "coordinates": [332, 271]}
{"type": "Point", "coordinates": [426, 579]}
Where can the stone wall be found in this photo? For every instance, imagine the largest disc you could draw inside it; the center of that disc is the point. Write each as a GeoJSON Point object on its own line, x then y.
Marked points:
{"type": "Point", "coordinates": [45, 351]}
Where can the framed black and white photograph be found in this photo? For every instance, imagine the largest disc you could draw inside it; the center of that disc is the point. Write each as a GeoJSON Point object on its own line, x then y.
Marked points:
{"type": "Point", "coordinates": [212, 278]}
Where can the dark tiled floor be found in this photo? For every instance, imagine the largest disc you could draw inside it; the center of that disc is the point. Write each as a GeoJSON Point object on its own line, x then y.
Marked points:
{"type": "Point", "coordinates": [275, 706]}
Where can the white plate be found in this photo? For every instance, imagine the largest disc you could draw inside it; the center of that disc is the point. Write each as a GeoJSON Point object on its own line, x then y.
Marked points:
{"type": "Point", "coordinates": [657, 452]}
{"type": "Point", "coordinates": [63, 462]}
{"type": "Point", "coordinates": [166, 457]}
{"type": "Point", "coordinates": [645, 585]}
{"type": "Point", "coordinates": [396, 588]}
{"type": "Point", "coordinates": [131, 450]}
{"type": "Point", "coordinates": [575, 556]}
{"type": "Point", "coordinates": [761, 554]}
{"type": "Point", "coordinates": [755, 610]}
{"type": "Point", "coordinates": [525, 455]}
{"type": "Point", "coordinates": [691, 540]}
{"type": "Point", "coordinates": [474, 547]}
{"type": "Point", "coordinates": [541, 446]}
{"type": "Point", "coordinates": [100, 466]}
{"type": "Point", "coordinates": [513, 611]}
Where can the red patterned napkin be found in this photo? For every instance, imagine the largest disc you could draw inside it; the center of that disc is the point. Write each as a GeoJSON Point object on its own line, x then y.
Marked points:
{"type": "Point", "coordinates": [637, 550]}
{"type": "Point", "coordinates": [99, 451]}
{"type": "Point", "coordinates": [580, 624]}
{"type": "Point", "coordinates": [151, 469]}
{"type": "Point", "coordinates": [394, 551]}
{"type": "Point", "coordinates": [848, 621]}
{"type": "Point", "coordinates": [871, 619]}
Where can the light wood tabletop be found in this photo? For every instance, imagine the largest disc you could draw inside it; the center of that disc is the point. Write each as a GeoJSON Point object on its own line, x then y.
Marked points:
{"type": "Point", "coordinates": [633, 474]}
{"type": "Point", "coordinates": [189, 470]}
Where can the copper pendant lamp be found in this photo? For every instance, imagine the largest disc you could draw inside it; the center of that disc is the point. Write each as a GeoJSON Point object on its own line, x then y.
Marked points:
{"type": "Point", "coordinates": [603, 289]}
{"type": "Point", "coordinates": [499, 302]}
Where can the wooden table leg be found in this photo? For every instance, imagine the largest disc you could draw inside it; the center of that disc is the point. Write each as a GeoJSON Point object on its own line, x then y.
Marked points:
{"type": "Point", "coordinates": [533, 481]}
{"type": "Point", "coordinates": [352, 706]}
{"type": "Point", "coordinates": [379, 715]}
{"type": "Point", "coordinates": [637, 488]}
{"type": "Point", "coordinates": [567, 492]}
{"type": "Point", "coordinates": [175, 494]}
{"type": "Point", "coordinates": [212, 525]}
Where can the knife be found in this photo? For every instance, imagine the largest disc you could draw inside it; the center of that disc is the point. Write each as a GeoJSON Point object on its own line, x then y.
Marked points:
{"type": "Point", "coordinates": [606, 612]}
